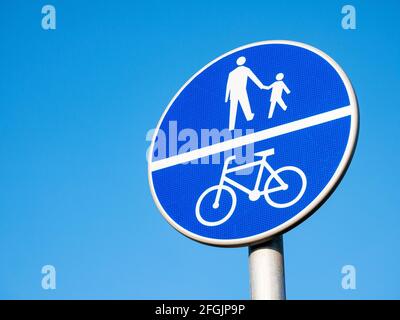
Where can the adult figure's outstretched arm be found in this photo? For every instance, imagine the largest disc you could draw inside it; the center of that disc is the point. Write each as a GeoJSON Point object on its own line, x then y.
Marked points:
{"type": "Point", "coordinates": [254, 78]}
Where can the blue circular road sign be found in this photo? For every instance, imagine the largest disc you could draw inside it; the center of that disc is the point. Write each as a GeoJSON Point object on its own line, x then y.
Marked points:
{"type": "Point", "coordinates": [253, 143]}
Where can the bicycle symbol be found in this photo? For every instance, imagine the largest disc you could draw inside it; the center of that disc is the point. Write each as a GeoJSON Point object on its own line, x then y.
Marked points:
{"type": "Point", "coordinates": [254, 194]}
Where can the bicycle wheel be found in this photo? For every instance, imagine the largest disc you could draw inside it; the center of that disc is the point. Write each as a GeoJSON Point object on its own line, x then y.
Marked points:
{"type": "Point", "coordinates": [291, 202]}
{"type": "Point", "coordinates": [209, 191]}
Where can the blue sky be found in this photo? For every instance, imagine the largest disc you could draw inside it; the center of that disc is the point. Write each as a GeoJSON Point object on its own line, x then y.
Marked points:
{"type": "Point", "coordinates": [76, 104]}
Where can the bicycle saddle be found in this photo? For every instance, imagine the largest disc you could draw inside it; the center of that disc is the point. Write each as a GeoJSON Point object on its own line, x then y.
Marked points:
{"type": "Point", "coordinates": [265, 153]}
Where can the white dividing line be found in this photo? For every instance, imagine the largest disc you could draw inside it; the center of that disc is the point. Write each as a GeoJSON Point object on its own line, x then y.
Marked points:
{"type": "Point", "coordinates": [251, 138]}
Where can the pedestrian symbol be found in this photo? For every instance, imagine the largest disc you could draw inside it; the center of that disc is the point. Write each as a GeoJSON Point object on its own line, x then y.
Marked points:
{"type": "Point", "coordinates": [276, 96]}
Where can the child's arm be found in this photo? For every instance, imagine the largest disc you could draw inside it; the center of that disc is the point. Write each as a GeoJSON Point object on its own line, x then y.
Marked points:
{"type": "Point", "coordinates": [286, 88]}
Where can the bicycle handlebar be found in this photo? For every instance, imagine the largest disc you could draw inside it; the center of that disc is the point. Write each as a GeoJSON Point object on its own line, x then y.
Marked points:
{"type": "Point", "coordinates": [229, 159]}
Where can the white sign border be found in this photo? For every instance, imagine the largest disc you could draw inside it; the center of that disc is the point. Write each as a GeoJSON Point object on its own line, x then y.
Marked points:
{"type": "Point", "coordinates": [316, 203]}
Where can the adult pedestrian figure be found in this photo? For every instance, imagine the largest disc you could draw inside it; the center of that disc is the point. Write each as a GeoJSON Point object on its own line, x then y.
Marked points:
{"type": "Point", "coordinates": [236, 91]}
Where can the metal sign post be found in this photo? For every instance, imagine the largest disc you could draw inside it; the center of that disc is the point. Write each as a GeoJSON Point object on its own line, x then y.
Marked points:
{"type": "Point", "coordinates": [267, 270]}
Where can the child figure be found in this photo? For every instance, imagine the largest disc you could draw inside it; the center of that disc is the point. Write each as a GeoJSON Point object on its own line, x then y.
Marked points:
{"type": "Point", "coordinates": [276, 95]}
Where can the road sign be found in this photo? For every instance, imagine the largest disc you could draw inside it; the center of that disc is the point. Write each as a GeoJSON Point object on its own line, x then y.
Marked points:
{"type": "Point", "coordinates": [253, 143]}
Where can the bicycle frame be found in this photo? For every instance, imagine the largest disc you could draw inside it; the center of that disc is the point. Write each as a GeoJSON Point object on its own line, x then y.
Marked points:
{"type": "Point", "coordinates": [256, 190]}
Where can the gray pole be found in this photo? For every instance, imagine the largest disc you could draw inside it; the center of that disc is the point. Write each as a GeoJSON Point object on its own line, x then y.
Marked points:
{"type": "Point", "coordinates": [267, 272]}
